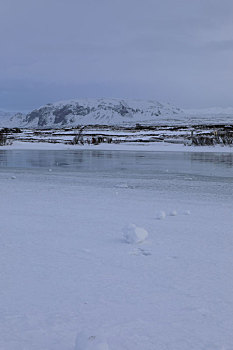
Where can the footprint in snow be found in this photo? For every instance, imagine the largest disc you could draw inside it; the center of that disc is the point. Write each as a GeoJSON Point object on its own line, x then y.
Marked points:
{"type": "Point", "coordinates": [90, 341]}
{"type": "Point", "coordinates": [140, 251]}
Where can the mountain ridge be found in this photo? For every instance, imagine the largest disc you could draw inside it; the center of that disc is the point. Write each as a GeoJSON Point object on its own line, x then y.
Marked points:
{"type": "Point", "coordinates": [113, 112]}
{"type": "Point", "coordinates": [96, 111]}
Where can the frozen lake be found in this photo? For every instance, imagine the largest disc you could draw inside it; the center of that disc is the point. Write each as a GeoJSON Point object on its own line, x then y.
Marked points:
{"type": "Point", "coordinates": [180, 171]}
{"type": "Point", "coordinates": [122, 162]}
{"type": "Point", "coordinates": [65, 270]}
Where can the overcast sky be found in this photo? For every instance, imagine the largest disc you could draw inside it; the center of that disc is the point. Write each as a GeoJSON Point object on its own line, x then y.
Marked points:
{"type": "Point", "coordinates": [177, 51]}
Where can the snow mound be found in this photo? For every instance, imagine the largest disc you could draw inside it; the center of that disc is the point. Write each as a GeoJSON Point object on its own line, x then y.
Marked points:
{"type": "Point", "coordinates": [173, 213]}
{"type": "Point", "coordinates": [161, 215]}
{"type": "Point", "coordinates": [89, 341]}
{"type": "Point", "coordinates": [134, 234]}
{"type": "Point", "coordinates": [187, 212]}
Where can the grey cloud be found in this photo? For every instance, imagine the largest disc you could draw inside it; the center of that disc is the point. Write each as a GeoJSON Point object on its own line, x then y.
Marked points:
{"type": "Point", "coordinates": [223, 45]}
{"type": "Point", "coordinates": [174, 50]}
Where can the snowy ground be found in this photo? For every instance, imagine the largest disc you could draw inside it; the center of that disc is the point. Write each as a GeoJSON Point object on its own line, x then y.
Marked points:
{"type": "Point", "coordinates": [152, 147]}
{"type": "Point", "coordinates": [66, 270]}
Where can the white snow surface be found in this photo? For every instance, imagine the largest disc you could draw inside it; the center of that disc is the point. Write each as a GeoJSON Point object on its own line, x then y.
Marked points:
{"type": "Point", "coordinates": [68, 282]}
{"type": "Point", "coordinates": [152, 147]}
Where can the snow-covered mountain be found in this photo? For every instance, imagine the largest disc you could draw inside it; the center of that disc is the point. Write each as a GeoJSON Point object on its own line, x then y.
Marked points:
{"type": "Point", "coordinates": [98, 111]}
{"type": "Point", "coordinates": [11, 119]}
{"type": "Point", "coordinates": [211, 111]}
{"type": "Point", "coordinates": [5, 117]}
{"type": "Point", "coordinates": [213, 115]}
{"type": "Point", "coordinates": [113, 112]}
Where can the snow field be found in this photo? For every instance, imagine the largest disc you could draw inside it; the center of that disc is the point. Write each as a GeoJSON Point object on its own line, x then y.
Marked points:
{"type": "Point", "coordinates": [68, 282]}
{"type": "Point", "coordinates": [150, 147]}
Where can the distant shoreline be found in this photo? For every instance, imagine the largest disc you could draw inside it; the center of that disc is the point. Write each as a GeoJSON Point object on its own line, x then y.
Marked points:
{"type": "Point", "coordinates": [146, 147]}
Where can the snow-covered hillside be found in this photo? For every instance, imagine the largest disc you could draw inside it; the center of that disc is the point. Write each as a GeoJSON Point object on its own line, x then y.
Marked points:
{"type": "Point", "coordinates": [211, 111]}
{"type": "Point", "coordinates": [98, 111]}
{"type": "Point", "coordinates": [213, 115]}
{"type": "Point", "coordinates": [11, 119]}
{"type": "Point", "coordinates": [114, 112]}
{"type": "Point", "coordinates": [5, 117]}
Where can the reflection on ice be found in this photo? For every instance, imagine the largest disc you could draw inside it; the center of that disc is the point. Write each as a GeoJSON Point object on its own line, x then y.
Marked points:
{"type": "Point", "coordinates": [121, 161]}
{"type": "Point", "coordinates": [216, 158]}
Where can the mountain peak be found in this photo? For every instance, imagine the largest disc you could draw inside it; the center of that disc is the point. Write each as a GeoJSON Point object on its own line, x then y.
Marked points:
{"type": "Point", "coordinates": [98, 111]}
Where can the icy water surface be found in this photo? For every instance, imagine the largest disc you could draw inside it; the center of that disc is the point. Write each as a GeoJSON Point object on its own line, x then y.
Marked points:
{"type": "Point", "coordinates": [184, 172]}
{"type": "Point", "coordinates": [122, 162]}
